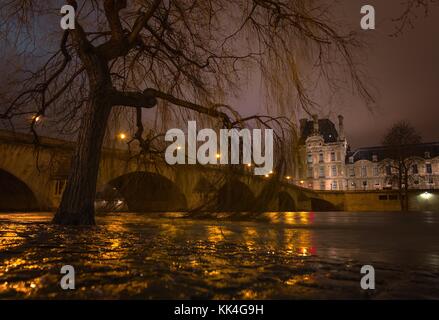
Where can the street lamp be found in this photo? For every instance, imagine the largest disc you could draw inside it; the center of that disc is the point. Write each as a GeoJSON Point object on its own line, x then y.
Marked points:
{"type": "Point", "coordinates": [122, 136]}
{"type": "Point", "coordinates": [426, 195]}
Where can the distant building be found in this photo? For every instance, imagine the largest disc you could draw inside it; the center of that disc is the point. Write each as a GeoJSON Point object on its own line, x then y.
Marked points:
{"type": "Point", "coordinates": [326, 163]}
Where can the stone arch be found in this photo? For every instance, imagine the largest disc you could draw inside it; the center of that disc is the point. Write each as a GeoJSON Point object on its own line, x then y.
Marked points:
{"type": "Point", "coordinates": [147, 192]}
{"type": "Point", "coordinates": [286, 202]}
{"type": "Point", "coordinates": [15, 195]}
{"type": "Point", "coordinates": [322, 205]}
{"type": "Point", "coordinates": [235, 195]}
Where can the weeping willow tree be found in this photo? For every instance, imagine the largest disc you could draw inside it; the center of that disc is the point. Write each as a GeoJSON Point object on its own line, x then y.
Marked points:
{"type": "Point", "coordinates": [183, 57]}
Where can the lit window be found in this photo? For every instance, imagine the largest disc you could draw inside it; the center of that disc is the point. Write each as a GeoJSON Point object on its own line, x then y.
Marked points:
{"type": "Point", "coordinates": [376, 171]}
{"type": "Point", "coordinates": [309, 158]}
{"type": "Point", "coordinates": [352, 172]}
{"type": "Point", "coordinates": [428, 168]}
{"type": "Point", "coordinates": [334, 185]}
{"type": "Point", "coordinates": [322, 172]}
{"type": "Point", "coordinates": [374, 158]}
{"type": "Point", "coordinates": [415, 169]}
{"type": "Point", "coordinates": [388, 170]}
{"type": "Point", "coordinates": [334, 171]}
{"type": "Point", "coordinates": [363, 171]}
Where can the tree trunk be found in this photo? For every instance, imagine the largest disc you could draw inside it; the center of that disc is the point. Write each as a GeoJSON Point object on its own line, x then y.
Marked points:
{"type": "Point", "coordinates": [77, 203]}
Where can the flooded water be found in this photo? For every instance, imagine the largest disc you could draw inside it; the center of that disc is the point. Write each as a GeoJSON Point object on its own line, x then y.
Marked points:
{"type": "Point", "coordinates": [277, 255]}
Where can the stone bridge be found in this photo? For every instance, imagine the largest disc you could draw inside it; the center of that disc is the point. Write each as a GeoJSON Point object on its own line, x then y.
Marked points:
{"type": "Point", "coordinates": [34, 178]}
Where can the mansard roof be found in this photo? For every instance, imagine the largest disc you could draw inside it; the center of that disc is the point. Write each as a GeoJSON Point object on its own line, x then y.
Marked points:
{"type": "Point", "coordinates": [326, 129]}
{"type": "Point", "coordinates": [383, 152]}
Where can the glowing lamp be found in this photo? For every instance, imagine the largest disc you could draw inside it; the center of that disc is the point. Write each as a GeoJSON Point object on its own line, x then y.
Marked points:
{"type": "Point", "coordinates": [426, 195]}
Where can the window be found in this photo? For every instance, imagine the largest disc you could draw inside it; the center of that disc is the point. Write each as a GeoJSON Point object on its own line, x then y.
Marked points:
{"type": "Point", "coordinates": [430, 180]}
{"type": "Point", "coordinates": [415, 169]}
{"type": "Point", "coordinates": [322, 172]}
{"type": "Point", "coordinates": [382, 197]}
{"type": "Point", "coordinates": [365, 184]}
{"type": "Point", "coordinates": [352, 172]}
{"type": "Point", "coordinates": [363, 171]}
{"type": "Point", "coordinates": [321, 157]}
{"type": "Point", "coordinates": [332, 156]}
{"type": "Point", "coordinates": [388, 170]}
{"type": "Point", "coordinates": [334, 171]}
{"type": "Point", "coordinates": [375, 158]}
{"type": "Point", "coordinates": [310, 173]}
{"type": "Point", "coordinates": [322, 185]}
{"type": "Point", "coordinates": [376, 171]}
{"type": "Point", "coordinates": [427, 155]}
{"type": "Point", "coordinates": [334, 185]}
{"type": "Point", "coordinates": [351, 159]}
{"type": "Point", "coordinates": [309, 159]}
{"type": "Point", "coordinates": [428, 168]}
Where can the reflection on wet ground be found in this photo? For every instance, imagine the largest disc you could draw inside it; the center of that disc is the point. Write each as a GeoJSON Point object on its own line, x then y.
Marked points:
{"type": "Point", "coordinates": [284, 255]}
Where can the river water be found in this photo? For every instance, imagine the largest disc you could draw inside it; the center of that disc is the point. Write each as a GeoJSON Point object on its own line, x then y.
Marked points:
{"type": "Point", "coordinates": [301, 255]}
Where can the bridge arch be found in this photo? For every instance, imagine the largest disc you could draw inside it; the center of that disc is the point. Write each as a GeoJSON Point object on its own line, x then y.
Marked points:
{"type": "Point", "coordinates": [286, 202]}
{"type": "Point", "coordinates": [145, 191]}
{"type": "Point", "coordinates": [15, 195]}
{"type": "Point", "coordinates": [235, 195]}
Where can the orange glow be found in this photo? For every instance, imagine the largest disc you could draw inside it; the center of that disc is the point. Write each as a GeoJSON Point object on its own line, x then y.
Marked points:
{"type": "Point", "coordinates": [122, 136]}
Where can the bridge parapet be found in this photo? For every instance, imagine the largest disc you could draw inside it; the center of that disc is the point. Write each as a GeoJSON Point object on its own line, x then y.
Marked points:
{"type": "Point", "coordinates": [45, 170]}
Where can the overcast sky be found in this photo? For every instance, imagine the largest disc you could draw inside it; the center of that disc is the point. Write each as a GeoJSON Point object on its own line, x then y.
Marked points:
{"type": "Point", "coordinates": [403, 70]}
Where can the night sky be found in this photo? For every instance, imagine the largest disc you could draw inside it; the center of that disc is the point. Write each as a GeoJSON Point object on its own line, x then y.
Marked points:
{"type": "Point", "coordinates": [403, 72]}
{"type": "Point", "coordinates": [406, 73]}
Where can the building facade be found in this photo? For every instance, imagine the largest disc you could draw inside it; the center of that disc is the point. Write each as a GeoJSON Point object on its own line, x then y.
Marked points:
{"type": "Point", "coordinates": [326, 163]}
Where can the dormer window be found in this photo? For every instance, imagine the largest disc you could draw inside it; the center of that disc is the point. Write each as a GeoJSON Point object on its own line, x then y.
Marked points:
{"type": "Point", "coordinates": [351, 159]}
{"type": "Point", "coordinates": [427, 155]}
{"type": "Point", "coordinates": [375, 158]}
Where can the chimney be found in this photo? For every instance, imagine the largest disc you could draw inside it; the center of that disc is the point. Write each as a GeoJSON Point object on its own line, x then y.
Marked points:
{"type": "Point", "coordinates": [341, 127]}
{"type": "Point", "coordinates": [315, 124]}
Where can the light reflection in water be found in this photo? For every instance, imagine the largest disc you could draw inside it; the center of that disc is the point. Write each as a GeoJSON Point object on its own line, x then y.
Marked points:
{"type": "Point", "coordinates": [132, 255]}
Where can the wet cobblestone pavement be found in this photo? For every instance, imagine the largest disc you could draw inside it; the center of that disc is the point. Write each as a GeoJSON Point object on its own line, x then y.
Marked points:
{"type": "Point", "coordinates": [284, 256]}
